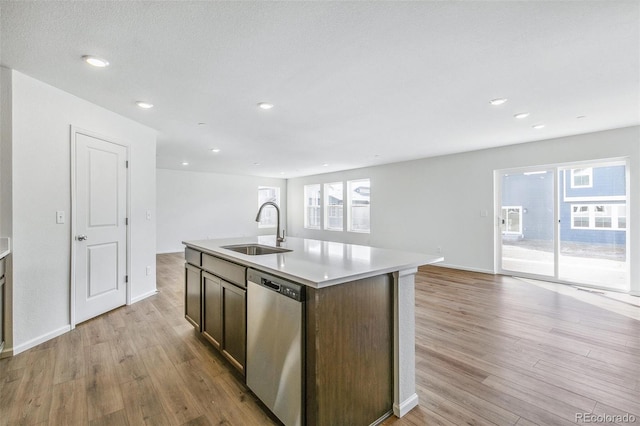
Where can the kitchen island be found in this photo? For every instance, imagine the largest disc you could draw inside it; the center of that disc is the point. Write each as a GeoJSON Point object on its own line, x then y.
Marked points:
{"type": "Point", "coordinates": [359, 325]}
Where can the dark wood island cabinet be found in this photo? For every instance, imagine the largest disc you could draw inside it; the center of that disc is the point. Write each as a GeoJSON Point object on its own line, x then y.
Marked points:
{"type": "Point", "coordinates": [358, 352]}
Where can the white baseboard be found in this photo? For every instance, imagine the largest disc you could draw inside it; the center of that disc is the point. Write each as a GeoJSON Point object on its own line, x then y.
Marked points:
{"type": "Point", "coordinates": [405, 406]}
{"type": "Point", "coordinates": [40, 339]}
{"type": "Point", "coordinates": [464, 268]}
{"type": "Point", "coordinates": [144, 296]}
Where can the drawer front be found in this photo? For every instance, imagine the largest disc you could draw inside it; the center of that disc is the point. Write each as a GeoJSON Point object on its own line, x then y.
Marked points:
{"type": "Point", "coordinates": [193, 256]}
{"type": "Point", "coordinates": [227, 270]}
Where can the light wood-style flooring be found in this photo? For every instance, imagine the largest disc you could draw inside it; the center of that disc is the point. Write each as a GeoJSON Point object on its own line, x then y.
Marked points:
{"type": "Point", "coordinates": [489, 350]}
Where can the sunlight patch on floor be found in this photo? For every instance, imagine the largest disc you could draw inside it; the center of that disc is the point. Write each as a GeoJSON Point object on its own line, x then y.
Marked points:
{"type": "Point", "coordinates": [620, 303]}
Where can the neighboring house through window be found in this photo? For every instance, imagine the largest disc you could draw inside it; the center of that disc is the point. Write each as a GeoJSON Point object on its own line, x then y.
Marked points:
{"type": "Point", "coordinates": [512, 220]}
{"type": "Point", "coordinates": [599, 216]}
{"type": "Point", "coordinates": [582, 178]}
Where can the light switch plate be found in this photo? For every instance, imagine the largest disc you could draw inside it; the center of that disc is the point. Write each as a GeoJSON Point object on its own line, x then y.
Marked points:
{"type": "Point", "coordinates": [59, 217]}
{"type": "Point", "coordinates": [148, 214]}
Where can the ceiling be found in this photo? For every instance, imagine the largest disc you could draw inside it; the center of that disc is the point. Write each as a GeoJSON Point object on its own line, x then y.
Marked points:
{"type": "Point", "coordinates": [354, 84]}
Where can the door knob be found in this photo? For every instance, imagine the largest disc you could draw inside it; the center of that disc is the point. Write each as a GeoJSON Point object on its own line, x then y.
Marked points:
{"type": "Point", "coordinates": [81, 237]}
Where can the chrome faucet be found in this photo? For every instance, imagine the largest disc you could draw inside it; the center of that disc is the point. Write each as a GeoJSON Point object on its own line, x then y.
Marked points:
{"type": "Point", "coordinates": [279, 238]}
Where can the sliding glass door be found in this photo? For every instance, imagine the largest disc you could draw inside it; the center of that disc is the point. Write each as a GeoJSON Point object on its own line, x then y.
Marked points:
{"type": "Point", "coordinates": [527, 222]}
{"type": "Point", "coordinates": [593, 225]}
{"type": "Point", "coordinates": [567, 223]}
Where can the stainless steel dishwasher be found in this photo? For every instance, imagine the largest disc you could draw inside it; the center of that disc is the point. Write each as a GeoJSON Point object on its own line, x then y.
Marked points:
{"type": "Point", "coordinates": [275, 367]}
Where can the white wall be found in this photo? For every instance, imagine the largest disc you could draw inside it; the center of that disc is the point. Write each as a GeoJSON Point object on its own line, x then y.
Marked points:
{"type": "Point", "coordinates": [41, 161]}
{"type": "Point", "coordinates": [436, 202]}
{"type": "Point", "coordinates": [196, 206]}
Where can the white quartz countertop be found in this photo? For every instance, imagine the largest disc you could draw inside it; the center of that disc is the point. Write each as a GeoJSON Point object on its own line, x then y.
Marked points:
{"type": "Point", "coordinates": [5, 247]}
{"type": "Point", "coordinates": [317, 263]}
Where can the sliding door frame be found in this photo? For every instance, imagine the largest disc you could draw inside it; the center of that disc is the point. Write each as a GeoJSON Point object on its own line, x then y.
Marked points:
{"type": "Point", "coordinates": [557, 191]}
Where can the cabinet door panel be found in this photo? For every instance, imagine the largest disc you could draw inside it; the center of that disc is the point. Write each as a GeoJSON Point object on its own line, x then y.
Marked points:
{"type": "Point", "coordinates": [192, 303]}
{"type": "Point", "coordinates": [212, 324]}
{"type": "Point", "coordinates": [234, 311]}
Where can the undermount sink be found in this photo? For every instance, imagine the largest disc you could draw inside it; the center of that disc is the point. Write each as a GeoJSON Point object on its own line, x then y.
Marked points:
{"type": "Point", "coordinates": [255, 249]}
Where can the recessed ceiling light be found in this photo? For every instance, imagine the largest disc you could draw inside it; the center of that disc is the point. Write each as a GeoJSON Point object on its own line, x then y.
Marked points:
{"type": "Point", "coordinates": [497, 101]}
{"type": "Point", "coordinates": [581, 116]}
{"type": "Point", "coordinates": [265, 105]}
{"type": "Point", "coordinates": [216, 150]}
{"type": "Point", "coordinates": [521, 115]}
{"type": "Point", "coordinates": [202, 124]}
{"type": "Point", "coordinates": [184, 163]}
{"type": "Point", "coordinates": [95, 61]}
{"type": "Point", "coordinates": [325, 165]}
{"type": "Point", "coordinates": [144, 105]}
{"type": "Point", "coordinates": [281, 173]}
{"type": "Point", "coordinates": [256, 164]}
{"type": "Point", "coordinates": [538, 126]}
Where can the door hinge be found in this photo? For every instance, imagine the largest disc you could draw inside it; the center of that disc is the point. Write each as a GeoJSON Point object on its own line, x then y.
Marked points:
{"type": "Point", "coordinates": [126, 221]}
{"type": "Point", "coordinates": [126, 278]}
{"type": "Point", "coordinates": [126, 164]}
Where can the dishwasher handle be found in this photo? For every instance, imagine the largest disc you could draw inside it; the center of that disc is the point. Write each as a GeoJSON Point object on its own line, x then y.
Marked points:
{"type": "Point", "coordinates": [270, 284]}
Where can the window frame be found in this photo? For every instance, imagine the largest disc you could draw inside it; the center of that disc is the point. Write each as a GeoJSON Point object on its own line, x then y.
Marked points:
{"type": "Point", "coordinates": [326, 216]}
{"type": "Point", "coordinates": [587, 171]}
{"type": "Point", "coordinates": [614, 216]}
{"type": "Point", "coordinates": [505, 217]}
{"type": "Point", "coordinates": [350, 205]}
{"type": "Point", "coordinates": [307, 206]}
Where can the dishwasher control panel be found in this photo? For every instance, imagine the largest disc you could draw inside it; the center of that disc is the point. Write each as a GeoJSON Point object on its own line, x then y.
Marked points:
{"type": "Point", "coordinates": [279, 285]}
{"type": "Point", "coordinates": [294, 293]}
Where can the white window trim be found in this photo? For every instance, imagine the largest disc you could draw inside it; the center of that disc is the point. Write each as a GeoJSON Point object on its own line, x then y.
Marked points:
{"type": "Point", "coordinates": [325, 210]}
{"type": "Point", "coordinates": [592, 217]}
{"type": "Point", "coordinates": [306, 206]}
{"type": "Point", "coordinates": [588, 171]}
{"type": "Point", "coordinates": [350, 206]}
{"type": "Point", "coordinates": [519, 232]}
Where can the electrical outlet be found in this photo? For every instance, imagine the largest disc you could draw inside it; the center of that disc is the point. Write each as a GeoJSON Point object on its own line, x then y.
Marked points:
{"type": "Point", "coordinates": [148, 214]}
{"type": "Point", "coordinates": [148, 270]}
{"type": "Point", "coordinates": [439, 250]}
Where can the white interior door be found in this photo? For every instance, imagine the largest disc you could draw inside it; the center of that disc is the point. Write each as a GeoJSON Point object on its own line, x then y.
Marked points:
{"type": "Point", "coordinates": [100, 226]}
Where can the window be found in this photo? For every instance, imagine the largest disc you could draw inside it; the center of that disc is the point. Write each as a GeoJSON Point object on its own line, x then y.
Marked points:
{"type": "Point", "coordinates": [268, 217]}
{"type": "Point", "coordinates": [512, 220]}
{"type": "Point", "coordinates": [602, 216]}
{"type": "Point", "coordinates": [333, 203]}
{"type": "Point", "coordinates": [580, 216]}
{"type": "Point", "coordinates": [359, 194]}
{"type": "Point", "coordinates": [599, 216]}
{"type": "Point", "coordinates": [312, 206]}
{"type": "Point", "coordinates": [324, 206]}
{"type": "Point", "coordinates": [582, 178]}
